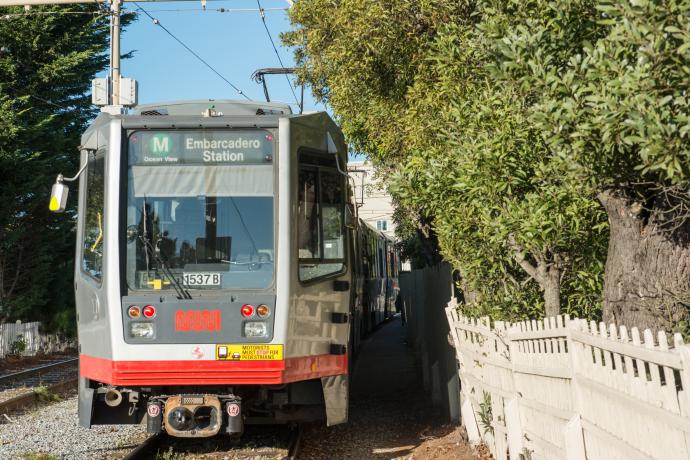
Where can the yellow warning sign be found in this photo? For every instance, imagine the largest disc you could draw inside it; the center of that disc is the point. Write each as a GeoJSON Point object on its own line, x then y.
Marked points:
{"type": "Point", "coordinates": [249, 352]}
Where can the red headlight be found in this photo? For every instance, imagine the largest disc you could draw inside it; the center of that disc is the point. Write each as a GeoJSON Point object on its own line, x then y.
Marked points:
{"type": "Point", "coordinates": [149, 311]}
{"type": "Point", "coordinates": [247, 310]}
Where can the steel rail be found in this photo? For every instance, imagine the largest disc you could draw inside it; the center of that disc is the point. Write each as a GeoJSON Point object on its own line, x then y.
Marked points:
{"type": "Point", "coordinates": [35, 370]}
{"type": "Point", "coordinates": [295, 445]}
{"type": "Point", "coordinates": [147, 449]}
{"type": "Point", "coordinates": [31, 397]}
{"type": "Point", "coordinates": [150, 446]}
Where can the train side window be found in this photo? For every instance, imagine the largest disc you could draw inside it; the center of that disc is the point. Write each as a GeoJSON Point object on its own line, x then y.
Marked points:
{"type": "Point", "coordinates": [381, 263]}
{"type": "Point", "coordinates": [321, 204]}
{"type": "Point", "coordinates": [92, 254]}
{"type": "Point", "coordinates": [308, 212]}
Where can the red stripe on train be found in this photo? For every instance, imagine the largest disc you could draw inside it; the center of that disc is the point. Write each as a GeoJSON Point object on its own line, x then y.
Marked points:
{"type": "Point", "coordinates": [154, 373]}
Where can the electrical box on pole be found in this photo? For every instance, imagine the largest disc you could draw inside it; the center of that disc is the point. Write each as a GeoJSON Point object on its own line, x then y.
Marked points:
{"type": "Point", "coordinates": [100, 91]}
{"type": "Point", "coordinates": [128, 92]}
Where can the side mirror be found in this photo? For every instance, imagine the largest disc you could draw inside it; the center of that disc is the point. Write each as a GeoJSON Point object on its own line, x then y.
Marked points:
{"type": "Point", "coordinates": [58, 196]}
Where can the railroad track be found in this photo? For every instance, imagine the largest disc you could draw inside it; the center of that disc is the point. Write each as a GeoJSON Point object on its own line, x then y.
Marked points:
{"type": "Point", "coordinates": [147, 449]}
{"type": "Point", "coordinates": [295, 445]}
{"type": "Point", "coordinates": [56, 377]}
{"type": "Point", "coordinates": [224, 448]}
{"type": "Point", "coordinates": [47, 373]}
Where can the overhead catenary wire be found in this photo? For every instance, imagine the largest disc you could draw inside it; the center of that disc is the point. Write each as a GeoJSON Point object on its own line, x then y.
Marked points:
{"type": "Point", "coordinates": [202, 60]}
{"type": "Point", "coordinates": [48, 102]}
{"type": "Point", "coordinates": [275, 49]}
{"type": "Point", "coordinates": [101, 11]}
{"type": "Point", "coordinates": [46, 13]}
{"type": "Point", "coordinates": [214, 10]}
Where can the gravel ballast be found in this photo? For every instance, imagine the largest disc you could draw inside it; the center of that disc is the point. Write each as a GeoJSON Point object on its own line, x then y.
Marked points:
{"type": "Point", "coordinates": [54, 429]}
{"type": "Point", "coordinates": [391, 417]}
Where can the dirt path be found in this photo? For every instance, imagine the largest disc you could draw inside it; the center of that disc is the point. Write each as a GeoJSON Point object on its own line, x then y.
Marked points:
{"type": "Point", "coordinates": [391, 417]}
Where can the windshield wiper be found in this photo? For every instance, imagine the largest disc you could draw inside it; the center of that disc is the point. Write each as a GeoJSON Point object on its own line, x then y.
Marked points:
{"type": "Point", "coordinates": [182, 293]}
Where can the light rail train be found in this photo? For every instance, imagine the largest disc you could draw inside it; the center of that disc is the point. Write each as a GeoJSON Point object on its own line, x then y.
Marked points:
{"type": "Point", "coordinates": [222, 276]}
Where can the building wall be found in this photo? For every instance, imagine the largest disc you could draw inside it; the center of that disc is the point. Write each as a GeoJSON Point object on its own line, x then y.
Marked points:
{"type": "Point", "coordinates": [375, 205]}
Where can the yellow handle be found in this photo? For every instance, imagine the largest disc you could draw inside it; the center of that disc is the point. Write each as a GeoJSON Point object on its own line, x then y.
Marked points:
{"type": "Point", "coordinates": [100, 233]}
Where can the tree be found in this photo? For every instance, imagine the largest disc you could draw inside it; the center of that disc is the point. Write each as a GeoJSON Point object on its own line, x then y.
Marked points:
{"type": "Point", "coordinates": [621, 115]}
{"type": "Point", "coordinates": [460, 140]}
{"type": "Point", "coordinates": [509, 124]}
{"type": "Point", "coordinates": [46, 63]}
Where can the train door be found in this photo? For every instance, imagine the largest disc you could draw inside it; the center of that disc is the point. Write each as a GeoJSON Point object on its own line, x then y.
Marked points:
{"type": "Point", "coordinates": [357, 290]}
{"type": "Point", "coordinates": [372, 281]}
{"type": "Point", "coordinates": [320, 300]}
{"type": "Point", "coordinates": [90, 282]}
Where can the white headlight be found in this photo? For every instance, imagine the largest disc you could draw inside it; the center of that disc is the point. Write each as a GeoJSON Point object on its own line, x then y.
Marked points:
{"type": "Point", "coordinates": [143, 330]}
{"type": "Point", "coordinates": [255, 329]}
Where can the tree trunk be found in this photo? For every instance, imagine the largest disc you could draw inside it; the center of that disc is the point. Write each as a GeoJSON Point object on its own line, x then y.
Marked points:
{"type": "Point", "coordinates": [647, 277]}
{"type": "Point", "coordinates": [546, 272]}
{"type": "Point", "coordinates": [551, 286]}
{"type": "Point", "coordinates": [469, 296]}
{"type": "Point", "coordinates": [429, 243]}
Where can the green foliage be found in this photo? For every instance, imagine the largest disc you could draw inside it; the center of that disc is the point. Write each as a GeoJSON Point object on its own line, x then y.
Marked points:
{"type": "Point", "coordinates": [501, 124]}
{"type": "Point", "coordinates": [45, 395]}
{"type": "Point", "coordinates": [18, 346]}
{"type": "Point", "coordinates": [169, 454]}
{"type": "Point", "coordinates": [38, 456]}
{"type": "Point", "coordinates": [485, 413]}
{"type": "Point", "coordinates": [620, 111]}
{"type": "Point", "coordinates": [362, 56]}
{"type": "Point", "coordinates": [46, 64]}
{"type": "Point", "coordinates": [460, 136]}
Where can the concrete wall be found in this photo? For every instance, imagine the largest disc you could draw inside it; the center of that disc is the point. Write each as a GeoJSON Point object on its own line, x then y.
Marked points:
{"type": "Point", "coordinates": [425, 295]}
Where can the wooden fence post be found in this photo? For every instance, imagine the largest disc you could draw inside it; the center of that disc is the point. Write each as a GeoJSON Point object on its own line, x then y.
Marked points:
{"type": "Point", "coordinates": [512, 408]}
{"type": "Point", "coordinates": [470, 421]}
{"type": "Point", "coordinates": [514, 428]}
{"type": "Point", "coordinates": [574, 443]}
{"type": "Point", "coordinates": [684, 352]}
{"type": "Point", "coordinates": [452, 315]}
{"type": "Point", "coordinates": [572, 432]}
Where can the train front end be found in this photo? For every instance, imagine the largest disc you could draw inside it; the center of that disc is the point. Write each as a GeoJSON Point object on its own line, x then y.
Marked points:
{"type": "Point", "coordinates": [198, 230]}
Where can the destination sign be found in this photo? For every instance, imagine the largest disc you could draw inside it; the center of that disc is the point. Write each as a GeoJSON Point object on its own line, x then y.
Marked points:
{"type": "Point", "coordinates": [224, 147]}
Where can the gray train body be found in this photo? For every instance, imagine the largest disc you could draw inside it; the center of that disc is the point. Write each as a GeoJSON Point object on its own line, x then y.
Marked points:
{"type": "Point", "coordinates": [221, 274]}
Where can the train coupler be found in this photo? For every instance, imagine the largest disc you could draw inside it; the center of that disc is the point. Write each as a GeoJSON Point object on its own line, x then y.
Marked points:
{"type": "Point", "coordinates": [193, 416]}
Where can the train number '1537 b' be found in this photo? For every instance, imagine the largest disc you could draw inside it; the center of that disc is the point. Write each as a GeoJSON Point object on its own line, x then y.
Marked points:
{"type": "Point", "coordinates": [197, 320]}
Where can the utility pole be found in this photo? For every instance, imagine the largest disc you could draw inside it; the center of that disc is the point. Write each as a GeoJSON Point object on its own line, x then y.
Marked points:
{"type": "Point", "coordinates": [115, 52]}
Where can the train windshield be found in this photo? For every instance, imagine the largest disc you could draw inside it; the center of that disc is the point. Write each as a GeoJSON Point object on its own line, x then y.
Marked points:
{"type": "Point", "coordinates": [200, 210]}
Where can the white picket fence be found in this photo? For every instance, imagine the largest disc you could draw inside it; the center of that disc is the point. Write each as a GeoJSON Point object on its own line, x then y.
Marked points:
{"type": "Point", "coordinates": [564, 388]}
{"type": "Point", "coordinates": [34, 341]}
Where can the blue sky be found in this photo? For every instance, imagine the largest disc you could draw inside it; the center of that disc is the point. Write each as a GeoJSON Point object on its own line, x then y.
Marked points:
{"type": "Point", "coordinates": [235, 43]}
